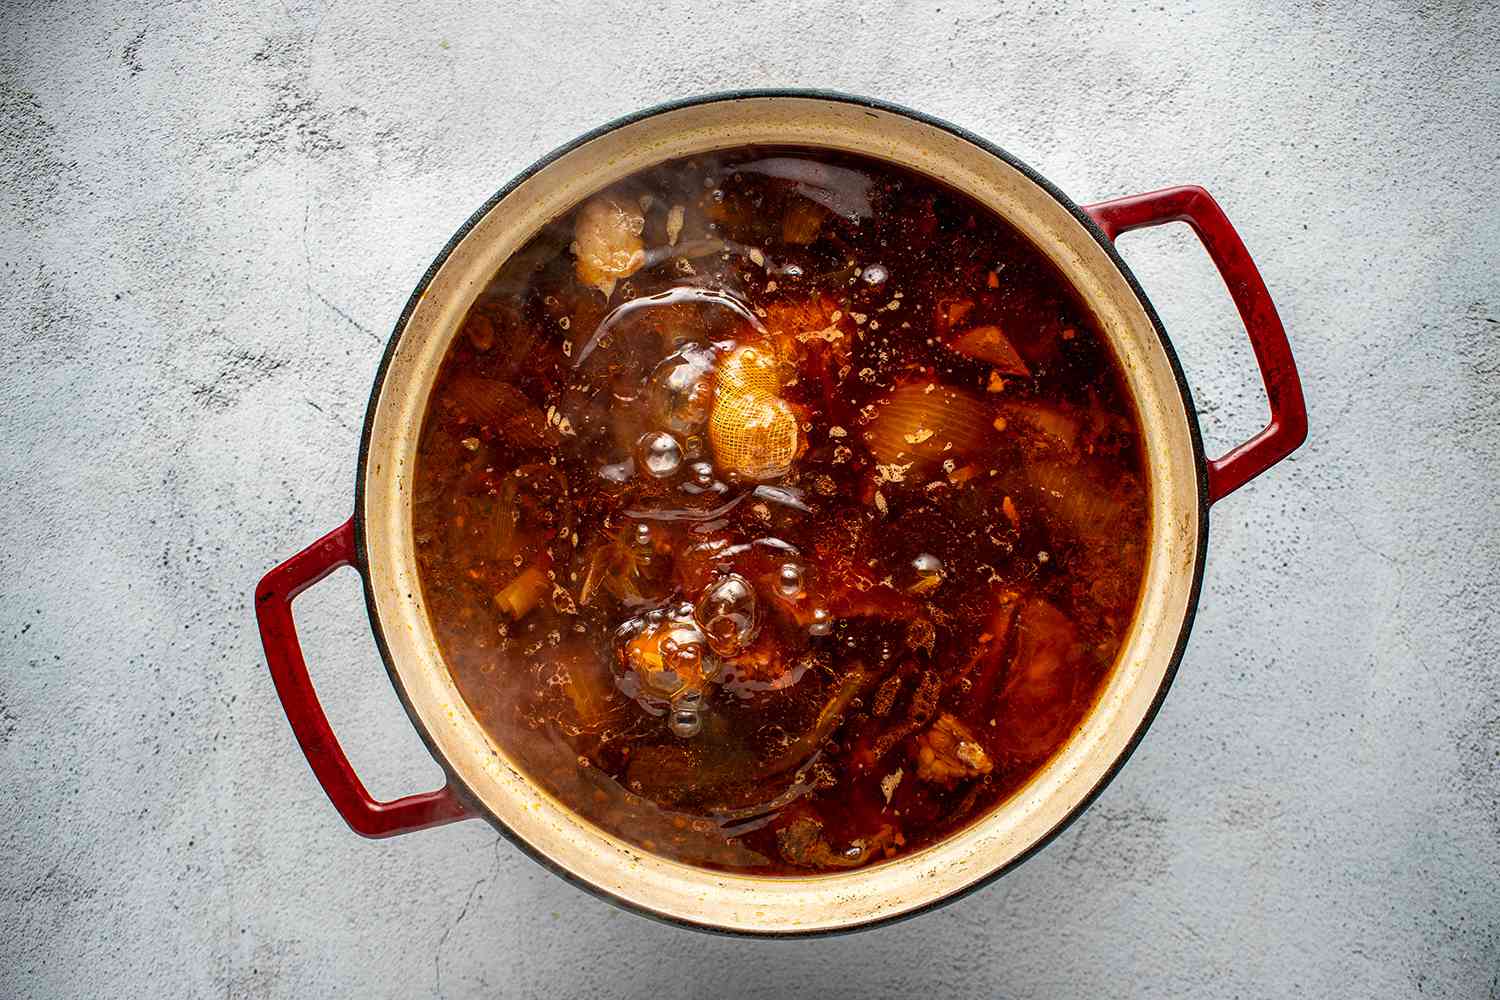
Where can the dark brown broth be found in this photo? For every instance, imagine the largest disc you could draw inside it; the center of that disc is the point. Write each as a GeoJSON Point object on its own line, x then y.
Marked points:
{"type": "Point", "coordinates": [941, 578]}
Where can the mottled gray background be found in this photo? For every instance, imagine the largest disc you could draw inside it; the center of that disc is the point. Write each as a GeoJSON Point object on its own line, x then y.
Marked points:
{"type": "Point", "coordinates": [210, 216]}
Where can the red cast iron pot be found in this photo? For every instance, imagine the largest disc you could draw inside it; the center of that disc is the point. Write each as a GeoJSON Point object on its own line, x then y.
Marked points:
{"type": "Point", "coordinates": [483, 782]}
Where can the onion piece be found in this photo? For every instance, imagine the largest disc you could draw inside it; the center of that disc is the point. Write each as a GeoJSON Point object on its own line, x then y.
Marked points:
{"type": "Point", "coordinates": [596, 564]}
{"type": "Point", "coordinates": [919, 425]}
{"type": "Point", "coordinates": [503, 408]}
{"type": "Point", "coordinates": [506, 516]}
{"type": "Point", "coordinates": [1049, 424]}
{"type": "Point", "coordinates": [521, 595]}
{"type": "Point", "coordinates": [803, 219]}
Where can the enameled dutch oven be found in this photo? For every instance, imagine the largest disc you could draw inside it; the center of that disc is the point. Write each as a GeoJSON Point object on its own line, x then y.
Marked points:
{"type": "Point", "coordinates": [482, 782]}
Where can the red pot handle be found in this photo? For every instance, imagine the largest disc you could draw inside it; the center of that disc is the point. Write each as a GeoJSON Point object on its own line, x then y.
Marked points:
{"type": "Point", "coordinates": [273, 608]}
{"type": "Point", "coordinates": [1288, 426]}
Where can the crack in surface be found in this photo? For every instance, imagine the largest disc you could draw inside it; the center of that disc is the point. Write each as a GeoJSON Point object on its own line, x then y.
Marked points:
{"type": "Point", "coordinates": [342, 314]}
{"type": "Point", "coordinates": [437, 953]}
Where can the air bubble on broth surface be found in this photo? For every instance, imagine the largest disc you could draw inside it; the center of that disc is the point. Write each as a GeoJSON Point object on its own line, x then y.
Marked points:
{"type": "Point", "coordinates": [659, 454]}
{"type": "Point", "coordinates": [703, 475]}
{"type": "Point", "coordinates": [820, 622]}
{"type": "Point", "coordinates": [682, 389]}
{"type": "Point", "coordinates": [732, 500]}
{"type": "Point", "coordinates": [727, 613]}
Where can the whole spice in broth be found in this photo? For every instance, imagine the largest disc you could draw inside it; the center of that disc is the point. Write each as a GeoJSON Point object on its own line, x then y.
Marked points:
{"type": "Point", "coordinates": [779, 511]}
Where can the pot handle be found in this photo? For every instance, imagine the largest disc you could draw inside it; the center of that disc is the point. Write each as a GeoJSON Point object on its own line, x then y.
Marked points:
{"type": "Point", "coordinates": [273, 609]}
{"type": "Point", "coordinates": [1288, 427]}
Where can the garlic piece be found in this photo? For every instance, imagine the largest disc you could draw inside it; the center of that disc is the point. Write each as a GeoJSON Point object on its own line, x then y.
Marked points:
{"type": "Point", "coordinates": [607, 241]}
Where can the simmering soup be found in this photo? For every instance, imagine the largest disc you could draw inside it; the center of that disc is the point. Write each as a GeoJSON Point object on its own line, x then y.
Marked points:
{"type": "Point", "coordinates": [780, 511]}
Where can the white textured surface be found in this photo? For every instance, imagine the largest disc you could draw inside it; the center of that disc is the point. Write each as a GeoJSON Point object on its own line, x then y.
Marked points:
{"type": "Point", "coordinates": [210, 215]}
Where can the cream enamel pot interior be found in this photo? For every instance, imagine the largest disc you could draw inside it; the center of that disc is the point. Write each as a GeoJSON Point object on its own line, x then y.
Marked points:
{"type": "Point", "coordinates": [482, 781]}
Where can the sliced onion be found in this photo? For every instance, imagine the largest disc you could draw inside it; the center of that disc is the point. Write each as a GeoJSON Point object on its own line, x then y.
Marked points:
{"type": "Point", "coordinates": [506, 517]}
{"type": "Point", "coordinates": [503, 408]}
{"type": "Point", "coordinates": [923, 424]}
{"type": "Point", "coordinates": [803, 219]}
{"type": "Point", "coordinates": [1050, 424]}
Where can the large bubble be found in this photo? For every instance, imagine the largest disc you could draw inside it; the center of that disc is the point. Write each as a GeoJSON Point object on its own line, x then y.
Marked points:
{"type": "Point", "coordinates": [659, 454]}
{"type": "Point", "coordinates": [667, 666]}
{"type": "Point", "coordinates": [727, 613]}
{"type": "Point", "coordinates": [681, 391]}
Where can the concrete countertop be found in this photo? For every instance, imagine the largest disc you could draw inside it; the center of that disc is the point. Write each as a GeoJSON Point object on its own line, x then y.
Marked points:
{"type": "Point", "coordinates": [210, 216]}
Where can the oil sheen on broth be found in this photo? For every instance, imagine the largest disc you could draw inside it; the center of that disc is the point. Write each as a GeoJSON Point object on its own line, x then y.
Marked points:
{"type": "Point", "coordinates": [781, 511]}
